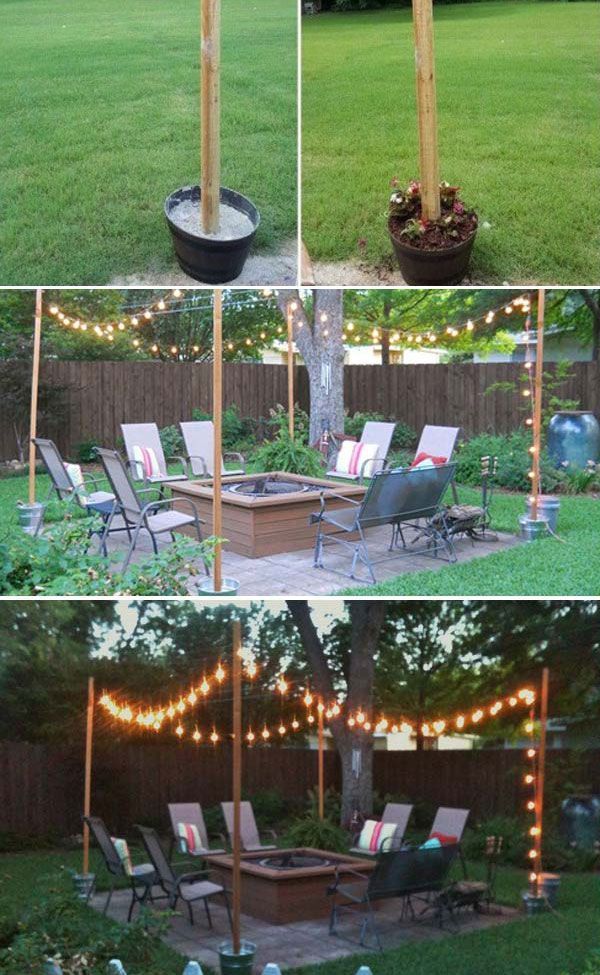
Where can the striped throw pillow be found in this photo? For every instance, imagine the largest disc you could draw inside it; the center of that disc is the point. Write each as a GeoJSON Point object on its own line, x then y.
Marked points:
{"type": "Point", "coordinates": [352, 456]}
{"type": "Point", "coordinates": [144, 462]}
{"type": "Point", "coordinates": [374, 835]}
{"type": "Point", "coordinates": [190, 838]}
{"type": "Point", "coordinates": [122, 848]}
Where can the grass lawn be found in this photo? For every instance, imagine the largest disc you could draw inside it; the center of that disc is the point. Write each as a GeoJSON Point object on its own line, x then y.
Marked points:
{"type": "Point", "coordinates": [547, 568]}
{"type": "Point", "coordinates": [100, 110]}
{"type": "Point", "coordinates": [518, 105]}
{"type": "Point", "coordinates": [548, 945]}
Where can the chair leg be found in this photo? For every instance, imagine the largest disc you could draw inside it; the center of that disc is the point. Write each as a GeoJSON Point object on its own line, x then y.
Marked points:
{"type": "Point", "coordinates": [108, 899]}
{"type": "Point", "coordinates": [333, 920]}
{"type": "Point", "coordinates": [207, 909]}
{"type": "Point", "coordinates": [190, 912]}
{"type": "Point", "coordinates": [133, 900]}
{"type": "Point", "coordinates": [132, 545]}
{"type": "Point", "coordinates": [228, 909]}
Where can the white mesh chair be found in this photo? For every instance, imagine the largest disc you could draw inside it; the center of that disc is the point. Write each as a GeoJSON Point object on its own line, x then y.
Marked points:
{"type": "Point", "coordinates": [449, 822]}
{"type": "Point", "coordinates": [374, 432]}
{"type": "Point", "coordinates": [86, 495]}
{"type": "Point", "coordinates": [189, 813]}
{"type": "Point", "coordinates": [152, 516]}
{"type": "Point", "coordinates": [251, 842]}
{"type": "Point", "coordinates": [394, 812]}
{"type": "Point", "coordinates": [144, 449]}
{"type": "Point", "coordinates": [199, 439]}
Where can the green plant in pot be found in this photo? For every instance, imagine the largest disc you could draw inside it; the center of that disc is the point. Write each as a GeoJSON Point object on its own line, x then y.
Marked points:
{"type": "Point", "coordinates": [431, 229]}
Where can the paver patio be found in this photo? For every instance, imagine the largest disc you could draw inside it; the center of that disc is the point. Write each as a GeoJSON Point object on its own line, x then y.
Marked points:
{"type": "Point", "coordinates": [292, 573]}
{"type": "Point", "coordinates": [302, 943]}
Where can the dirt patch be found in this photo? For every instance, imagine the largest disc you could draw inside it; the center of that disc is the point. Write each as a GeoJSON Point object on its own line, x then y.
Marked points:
{"type": "Point", "coordinates": [434, 236]}
{"type": "Point", "coordinates": [266, 270]}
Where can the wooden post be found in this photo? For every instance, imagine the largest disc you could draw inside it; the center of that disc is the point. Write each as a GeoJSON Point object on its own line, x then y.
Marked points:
{"type": "Point", "coordinates": [541, 776]}
{"type": "Point", "coordinates": [210, 115]}
{"type": "Point", "coordinates": [87, 788]}
{"type": "Point", "coordinates": [426, 109]}
{"type": "Point", "coordinates": [290, 368]}
{"type": "Point", "coordinates": [321, 770]}
{"type": "Point", "coordinates": [35, 382]}
{"type": "Point", "coordinates": [237, 781]}
{"type": "Point", "coordinates": [218, 432]}
{"type": "Point", "coordinates": [537, 406]}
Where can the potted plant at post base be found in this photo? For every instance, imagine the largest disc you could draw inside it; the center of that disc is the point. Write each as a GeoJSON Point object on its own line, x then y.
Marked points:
{"type": "Point", "coordinates": [431, 229]}
{"type": "Point", "coordinates": [431, 249]}
{"type": "Point", "coordinates": [212, 227]}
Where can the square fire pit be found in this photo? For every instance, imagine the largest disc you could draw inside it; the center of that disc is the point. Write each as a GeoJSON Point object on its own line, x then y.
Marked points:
{"type": "Point", "coordinates": [265, 514]}
{"type": "Point", "coordinates": [281, 886]}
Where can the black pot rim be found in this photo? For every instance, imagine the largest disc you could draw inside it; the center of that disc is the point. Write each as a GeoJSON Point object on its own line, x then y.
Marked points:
{"type": "Point", "coordinates": [454, 249]}
{"type": "Point", "coordinates": [233, 199]}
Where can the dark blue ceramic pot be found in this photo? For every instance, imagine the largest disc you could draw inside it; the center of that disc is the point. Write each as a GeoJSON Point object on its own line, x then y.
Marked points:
{"type": "Point", "coordinates": [580, 821]}
{"type": "Point", "coordinates": [574, 438]}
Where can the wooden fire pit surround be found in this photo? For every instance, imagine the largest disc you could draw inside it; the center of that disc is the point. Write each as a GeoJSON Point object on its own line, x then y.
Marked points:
{"type": "Point", "coordinates": [282, 896]}
{"type": "Point", "coordinates": [258, 526]}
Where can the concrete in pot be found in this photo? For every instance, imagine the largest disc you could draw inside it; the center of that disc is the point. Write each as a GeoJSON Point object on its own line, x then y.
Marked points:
{"type": "Point", "coordinates": [208, 258]}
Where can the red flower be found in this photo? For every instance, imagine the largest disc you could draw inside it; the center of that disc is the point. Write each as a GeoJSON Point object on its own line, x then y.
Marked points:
{"type": "Point", "coordinates": [458, 207]}
{"type": "Point", "coordinates": [414, 186]}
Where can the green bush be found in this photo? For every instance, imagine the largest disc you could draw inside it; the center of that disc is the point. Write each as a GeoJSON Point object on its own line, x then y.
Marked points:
{"type": "Point", "coordinates": [286, 453]}
{"type": "Point", "coordinates": [85, 452]}
{"type": "Point", "coordinates": [278, 420]}
{"type": "Point", "coordinates": [172, 441]}
{"type": "Point", "coordinates": [58, 927]}
{"type": "Point", "coordinates": [404, 437]}
{"type": "Point", "coordinates": [310, 831]}
{"type": "Point", "coordinates": [332, 803]}
{"type": "Point", "coordinates": [514, 839]}
{"type": "Point", "coordinates": [269, 806]}
{"type": "Point", "coordinates": [238, 431]}
{"type": "Point", "coordinates": [514, 461]}
{"type": "Point", "coordinates": [59, 563]}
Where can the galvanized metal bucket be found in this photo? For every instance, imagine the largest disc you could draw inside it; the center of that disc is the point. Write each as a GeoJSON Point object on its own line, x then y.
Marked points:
{"type": "Point", "coordinates": [84, 885]}
{"type": "Point", "coordinates": [532, 530]}
{"type": "Point", "coordinates": [547, 507]}
{"type": "Point", "coordinates": [229, 587]}
{"type": "Point", "coordinates": [237, 963]}
{"type": "Point", "coordinates": [30, 516]}
{"type": "Point", "coordinates": [549, 884]}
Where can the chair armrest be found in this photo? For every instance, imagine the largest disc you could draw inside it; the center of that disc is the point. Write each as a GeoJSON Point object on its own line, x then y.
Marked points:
{"type": "Point", "coordinates": [271, 833]}
{"type": "Point", "coordinates": [372, 460]}
{"type": "Point", "coordinates": [239, 457]}
{"type": "Point", "coordinates": [131, 468]}
{"type": "Point", "coordinates": [180, 460]}
{"type": "Point", "coordinates": [94, 479]}
{"type": "Point", "coordinates": [191, 878]}
{"type": "Point", "coordinates": [170, 501]}
{"type": "Point", "coordinates": [192, 457]}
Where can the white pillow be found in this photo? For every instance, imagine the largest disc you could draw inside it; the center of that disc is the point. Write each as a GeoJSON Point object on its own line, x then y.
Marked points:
{"type": "Point", "coordinates": [427, 462]}
{"type": "Point", "coordinates": [373, 835]}
{"type": "Point", "coordinates": [75, 476]}
{"type": "Point", "coordinates": [144, 462]}
{"type": "Point", "coordinates": [352, 456]}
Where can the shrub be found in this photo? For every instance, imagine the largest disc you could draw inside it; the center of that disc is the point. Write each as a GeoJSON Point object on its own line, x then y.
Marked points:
{"type": "Point", "coordinates": [172, 441]}
{"type": "Point", "coordinates": [514, 839]}
{"type": "Point", "coordinates": [404, 435]}
{"type": "Point", "coordinates": [59, 563]}
{"type": "Point", "coordinates": [278, 420]}
{"type": "Point", "coordinates": [286, 453]}
{"type": "Point", "coordinates": [332, 803]}
{"type": "Point", "coordinates": [85, 452]}
{"type": "Point", "coordinates": [310, 831]}
{"type": "Point", "coordinates": [269, 806]}
{"type": "Point", "coordinates": [238, 431]}
{"type": "Point", "coordinates": [514, 461]}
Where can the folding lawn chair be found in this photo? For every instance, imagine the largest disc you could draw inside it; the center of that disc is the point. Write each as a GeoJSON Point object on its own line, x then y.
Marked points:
{"type": "Point", "coordinates": [189, 829]}
{"type": "Point", "coordinates": [199, 439]}
{"type": "Point", "coordinates": [251, 841]}
{"type": "Point", "coordinates": [355, 459]}
{"type": "Point", "coordinates": [188, 887]}
{"type": "Point", "coordinates": [136, 514]}
{"type": "Point", "coordinates": [146, 459]}
{"type": "Point", "coordinates": [141, 877]}
{"type": "Point", "coordinates": [448, 827]}
{"type": "Point", "coordinates": [394, 812]}
{"type": "Point", "coordinates": [71, 484]}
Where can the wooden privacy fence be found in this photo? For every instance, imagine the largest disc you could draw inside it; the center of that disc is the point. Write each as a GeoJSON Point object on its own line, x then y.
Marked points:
{"type": "Point", "coordinates": [41, 786]}
{"type": "Point", "coordinates": [103, 394]}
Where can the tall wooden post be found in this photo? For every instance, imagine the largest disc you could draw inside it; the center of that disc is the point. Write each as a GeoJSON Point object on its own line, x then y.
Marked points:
{"type": "Point", "coordinates": [541, 776]}
{"type": "Point", "coordinates": [87, 788]}
{"type": "Point", "coordinates": [290, 368]}
{"type": "Point", "coordinates": [537, 406]}
{"type": "Point", "coordinates": [237, 781]}
{"type": "Point", "coordinates": [427, 109]}
{"type": "Point", "coordinates": [210, 98]}
{"type": "Point", "coordinates": [35, 382]}
{"type": "Point", "coordinates": [218, 432]}
{"type": "Point", "coordinates": [321, 769]}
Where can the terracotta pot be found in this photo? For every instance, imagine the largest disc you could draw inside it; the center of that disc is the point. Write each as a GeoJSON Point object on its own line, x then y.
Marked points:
{"type": "Point", "coordinates": [447, 265]}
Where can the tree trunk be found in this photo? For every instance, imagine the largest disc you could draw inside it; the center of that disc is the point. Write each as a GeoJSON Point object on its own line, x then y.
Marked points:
{"type": "Point", "coordinates": [594, 307]}
{"type": "Point", "coordinates": [367, 617]}
{"type": "Point", "coordinates": [319, 340]}
{"type": "Point", "coordinates": [385, 347]}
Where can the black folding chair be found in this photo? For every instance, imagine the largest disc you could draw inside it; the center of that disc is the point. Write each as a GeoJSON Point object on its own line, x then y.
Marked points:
{"type": "Point", "coordinates": [141, 877]}
{"type": "Point", "coordinates": [189, 887]}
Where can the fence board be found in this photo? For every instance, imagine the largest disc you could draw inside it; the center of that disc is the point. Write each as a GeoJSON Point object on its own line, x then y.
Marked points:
{"type": "Point", "coordinates": [41, 785]}
{"type": "Point", "coordinates": [101, 395]}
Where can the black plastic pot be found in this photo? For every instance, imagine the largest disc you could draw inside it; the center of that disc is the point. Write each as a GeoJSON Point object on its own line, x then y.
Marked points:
{"type": "Point", "coordinates": [447, 265]}
{"type": "Point", "coordinates": [206, 259]}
